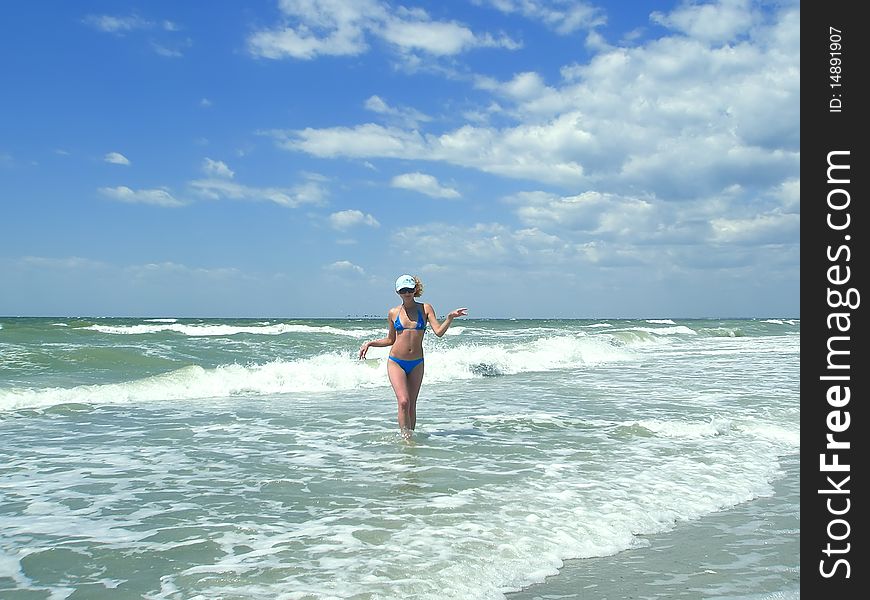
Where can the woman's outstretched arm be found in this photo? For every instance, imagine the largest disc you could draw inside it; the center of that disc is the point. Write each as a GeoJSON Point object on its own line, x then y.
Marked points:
{"type": "Point", "coordinates": [441, 328]}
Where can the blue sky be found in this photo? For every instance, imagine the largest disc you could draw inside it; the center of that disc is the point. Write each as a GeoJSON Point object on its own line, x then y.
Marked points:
{"type": "Point", "coordinates": [291, 158]}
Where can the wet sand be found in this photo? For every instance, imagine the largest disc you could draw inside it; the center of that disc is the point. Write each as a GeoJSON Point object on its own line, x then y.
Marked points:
{"type": "Point", "coordinates": [749, 552]}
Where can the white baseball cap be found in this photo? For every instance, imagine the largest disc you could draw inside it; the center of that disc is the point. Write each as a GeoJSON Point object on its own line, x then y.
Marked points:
{"type": "Point", "coordinates": [405, 281]}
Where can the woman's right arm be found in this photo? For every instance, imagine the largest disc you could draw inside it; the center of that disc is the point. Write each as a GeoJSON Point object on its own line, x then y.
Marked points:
{"type": "Point", "coordinates": [384, 341]}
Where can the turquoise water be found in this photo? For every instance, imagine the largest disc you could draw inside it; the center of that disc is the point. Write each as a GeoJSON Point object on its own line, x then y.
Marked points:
{"type": "Point", "coordinates": [177, 459]}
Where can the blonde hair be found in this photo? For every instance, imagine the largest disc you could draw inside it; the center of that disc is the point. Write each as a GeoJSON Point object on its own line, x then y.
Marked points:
{"type": "Point", "coordinates": [418, 289]}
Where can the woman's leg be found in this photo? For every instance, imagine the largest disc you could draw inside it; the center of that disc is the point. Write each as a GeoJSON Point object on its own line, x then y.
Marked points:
{"type": "Point", "coordinates": [415, 380]}
{"type": "Point", "coordinates": [399, 381]}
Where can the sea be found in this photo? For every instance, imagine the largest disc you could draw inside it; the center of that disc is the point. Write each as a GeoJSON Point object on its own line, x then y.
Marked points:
{"type": "Point", "coordinates": [180, 459]}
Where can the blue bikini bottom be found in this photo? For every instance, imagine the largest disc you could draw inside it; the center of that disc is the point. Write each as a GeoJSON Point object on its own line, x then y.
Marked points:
{"type": "Point", "coordinates": [407, 365]}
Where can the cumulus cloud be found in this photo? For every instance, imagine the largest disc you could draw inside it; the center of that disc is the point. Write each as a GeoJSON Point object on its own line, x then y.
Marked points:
{"type": "Point", "coordinates": [682, 116]}
{"type": "Point", "coordinates": [712, 22]}
{"type": "Point", "coordinates": [536, 152]}
{"type": "Point", "coordinates": [423, 183]}
{"type": "Point", "coordinates": [217, 168]}
{"type": "Point", "coordinates": [116, 158]}
{"type": "Point", "coordinates": [345, 219]}
{"type": "Point", "coordinates": [156, 196]}
{"type": "Point", "coordinates": [344, 267]}
{"type": "Point", "coordinates": [311, 28]}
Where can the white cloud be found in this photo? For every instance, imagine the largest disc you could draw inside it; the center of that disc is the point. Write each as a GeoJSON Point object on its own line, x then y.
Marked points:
{"type": "Point", "coordinates": [112, 24]}
{"type": "Point", "coordinates": [714, 22]}
{"type": "Point", "coordinates": [536, 152]}
{"type": "Point", "coordinates": [404, 116]}
{"type": "Point", "coordinates": [563, 16]}
{"type": "Point", "coordinates": [423, 183]}
{"type": "Point", "coordinates": [583, 212]}
{"type": "Point", "coordinates": [789, 195]}
{"type": "Point", "coordinates": [340, 28]}
{"type": "Point", "coordinates": [435, 38]}
{"type": "Point", "coordinates": [525, 85]}
{"type": "Point", "coordinates": [680, 116]}
{"type": "Point", "coordinates": [345, 266]}
{"type": "Point", "coordinates": [302, 45]}
{"type": "Point", "coordinates": [167, 51]}
{"type": "Point", "coordinates": [345, 219]}
{"type": "Point", "coordinates": [762, 229]}
{"type": "Point", "coordinates": [217, 168]}
{"type": "Point", "coordinates": [369, 140]}
{"type": "Point", "coordinates": [483, 246]}
{"type": "Point", "coordinates": [116, 158]}
{"type": "Point", "coordinates": [170, 46]}
{"type": "Point", "coordinates": [157, 197]}
{"type": "Point", "coordinates": [309, 192]}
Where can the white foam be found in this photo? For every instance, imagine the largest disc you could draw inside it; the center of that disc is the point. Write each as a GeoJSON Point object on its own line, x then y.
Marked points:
{"type": "Point", "coordinates": [321, 373]}
{"type": "Point", "coordinates": [10, 567]}
{"type": "Point", "coordinates": [519, 521]}
{"type": "Point", "coordinates": [682, 429]}
{"type": "Point", "coordinates": [678, 330]}
{"type": "Point", "coordinates": [660, 321]}
{"type": "Point", "coordinates": [774, 433]}
{"type": "Point", "coordinates": [224, 330]}
{"type": "Point", "coordinates": [331, 371]}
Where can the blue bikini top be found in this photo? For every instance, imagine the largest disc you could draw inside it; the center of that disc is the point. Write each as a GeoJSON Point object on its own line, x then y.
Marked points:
{"type": "Point", "coordinates": [420, 326]}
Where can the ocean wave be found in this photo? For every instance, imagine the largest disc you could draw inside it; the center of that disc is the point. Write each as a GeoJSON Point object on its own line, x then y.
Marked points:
{"type": "Point", "coordinates": [321, 373]}
{"type": "Point", "coordinates": [225, 330]}
{"type": "Point", "coordinates": [716, 426]}
{"type": "Point", "coordinates": [678, 330]}
{"type": "Point", "coordinates": [660, 321]}
{"type": "Point", "coordinates": [681, 429]}
{"type": "Point", "coordinates": [326, 372]}
{"type": "Point", "coordinates": [722, 331]}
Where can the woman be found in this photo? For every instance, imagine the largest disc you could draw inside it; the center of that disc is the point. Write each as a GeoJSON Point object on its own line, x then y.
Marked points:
{"type": "Point", "coordinates": [405, 335]}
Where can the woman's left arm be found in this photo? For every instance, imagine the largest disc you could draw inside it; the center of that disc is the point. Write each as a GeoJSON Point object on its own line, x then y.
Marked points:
{"type": "Point", "coordinates": [440, 329]}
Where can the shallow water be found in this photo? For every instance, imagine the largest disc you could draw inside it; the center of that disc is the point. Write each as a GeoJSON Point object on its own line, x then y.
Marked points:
{"type": "Point", "coordinates": [260, 459]}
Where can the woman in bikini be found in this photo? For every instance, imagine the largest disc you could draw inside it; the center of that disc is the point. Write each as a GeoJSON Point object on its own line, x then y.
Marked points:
{"type": "Point", "coordinates": [405, 335]}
